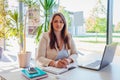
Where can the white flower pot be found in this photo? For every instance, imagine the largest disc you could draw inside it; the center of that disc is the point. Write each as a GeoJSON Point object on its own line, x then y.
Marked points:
{"type": "Point", "coordinates": [24, 59]}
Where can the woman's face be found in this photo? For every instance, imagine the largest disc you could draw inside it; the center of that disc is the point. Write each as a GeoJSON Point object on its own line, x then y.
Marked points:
{"type": "Point", "coordinates": [58, 24]}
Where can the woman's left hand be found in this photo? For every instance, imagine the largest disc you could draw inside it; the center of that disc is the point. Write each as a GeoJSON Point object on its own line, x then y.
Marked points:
{"type": "Point", "coordinates": [65, 61]}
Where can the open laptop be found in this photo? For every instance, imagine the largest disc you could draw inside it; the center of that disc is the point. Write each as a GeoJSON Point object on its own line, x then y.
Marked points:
{"type": "Point", "coordinates": [106, 59]}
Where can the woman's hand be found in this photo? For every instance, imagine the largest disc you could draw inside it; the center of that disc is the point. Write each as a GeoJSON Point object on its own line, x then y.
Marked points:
{"type": "Point", "coordinates": [61, 63]}
{"type": "Point", "coordinates": [58, 64]}
{"type": "Point", "coordinates": [65, 61]}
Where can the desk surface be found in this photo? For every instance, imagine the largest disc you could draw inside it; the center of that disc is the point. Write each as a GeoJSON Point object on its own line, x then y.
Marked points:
{"type": "Point", "coordinates": [111, 72]}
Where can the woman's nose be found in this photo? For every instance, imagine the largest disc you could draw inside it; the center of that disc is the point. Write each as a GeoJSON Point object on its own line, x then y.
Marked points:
{"type": "Point", "coordinates": [58, 23]}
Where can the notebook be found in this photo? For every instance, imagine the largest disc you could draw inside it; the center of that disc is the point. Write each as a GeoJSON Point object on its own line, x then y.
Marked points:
{"type": "Point", "coordinates": [56, 71]}
{"type": "Point", "coordinates": [107, 58]}
{"type": "Point", "coordinates": [40, 74]}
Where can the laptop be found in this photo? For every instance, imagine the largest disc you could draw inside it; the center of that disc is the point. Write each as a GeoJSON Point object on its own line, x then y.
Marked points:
{"type": "Point", "coordinates": [106, 58]}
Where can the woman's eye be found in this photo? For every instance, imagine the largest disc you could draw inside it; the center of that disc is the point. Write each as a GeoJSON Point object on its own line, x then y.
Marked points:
{"type": "Point", "coordinates": [55, 21]}
{"type": "Point", "coordinates": [61, 21]}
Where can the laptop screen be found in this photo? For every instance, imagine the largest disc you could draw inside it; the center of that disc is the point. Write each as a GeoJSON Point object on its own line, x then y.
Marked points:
{"type": "Point", "coordinates": [108, 54]}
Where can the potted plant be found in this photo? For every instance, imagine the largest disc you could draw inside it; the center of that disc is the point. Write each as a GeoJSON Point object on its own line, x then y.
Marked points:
{"type": "Point", "coordinates": [10, 27]}
{"type": "Point", "coordinates": [23, 56]}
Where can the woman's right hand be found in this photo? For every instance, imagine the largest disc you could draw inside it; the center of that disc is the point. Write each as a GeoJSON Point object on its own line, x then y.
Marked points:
{"type": "Point", "coordinates": [60, 64]}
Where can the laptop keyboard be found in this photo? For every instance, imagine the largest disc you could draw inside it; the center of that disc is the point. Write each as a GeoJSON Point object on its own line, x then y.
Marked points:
{"type": "Point", "coordinates": [94, 64]}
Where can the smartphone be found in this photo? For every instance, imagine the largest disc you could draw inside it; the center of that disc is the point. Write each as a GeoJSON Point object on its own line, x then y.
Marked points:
{"type": "Point", "coordinates": [32, 70]}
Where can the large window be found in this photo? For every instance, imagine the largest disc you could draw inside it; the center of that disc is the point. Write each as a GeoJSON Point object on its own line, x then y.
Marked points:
{"type": "Point", "coordinates": [87, 22]}
{"type": "Point", "coordinates": [116, 24]}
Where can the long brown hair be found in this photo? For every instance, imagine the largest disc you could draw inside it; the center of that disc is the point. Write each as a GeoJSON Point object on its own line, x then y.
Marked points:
{"type": "Point", "coordinates": [64, 32]}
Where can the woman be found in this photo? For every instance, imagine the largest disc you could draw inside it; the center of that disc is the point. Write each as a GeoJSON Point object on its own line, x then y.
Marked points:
{"type": "Point", "coordinates": [56, 47]}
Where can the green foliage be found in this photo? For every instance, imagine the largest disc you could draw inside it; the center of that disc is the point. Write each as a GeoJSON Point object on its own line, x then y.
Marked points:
{"type": "Point", "coordinates": [14, 19]}
{"type": "Point", "coordinates": [7, 28]}
{"type": "Point", "coordinates": [39, 31]}
{"type": "Point", "coordinates": [5, 24]}
{"type": "Point", "coordinates": [100, 25]}
{"type": "Point", "coordinates": [96, 25]}
{"type": "Point", "coordinates": [17, 29]}
{"type": "Point", "coordinates": [47, 6]}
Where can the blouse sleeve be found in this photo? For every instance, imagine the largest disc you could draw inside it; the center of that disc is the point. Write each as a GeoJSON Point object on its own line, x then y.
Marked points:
{"type": "Point", "coordinates": [41, 59]}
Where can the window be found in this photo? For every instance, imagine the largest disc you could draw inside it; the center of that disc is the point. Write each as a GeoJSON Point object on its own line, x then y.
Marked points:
{"type": "Point", "coordinates": [88, 23]}
{"type": "Point", "coordinates": [116, 24]}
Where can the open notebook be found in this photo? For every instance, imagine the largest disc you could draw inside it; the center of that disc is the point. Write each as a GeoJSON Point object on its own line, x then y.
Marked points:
{"type": "Point", "coordinates": [55, 70]}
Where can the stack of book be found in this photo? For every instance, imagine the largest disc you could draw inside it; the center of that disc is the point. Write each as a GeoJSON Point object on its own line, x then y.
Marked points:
{"type": "Point", "coordinates": [36, 74]}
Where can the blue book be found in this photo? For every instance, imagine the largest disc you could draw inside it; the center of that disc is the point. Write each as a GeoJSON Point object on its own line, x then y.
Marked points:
{"type": "Point", "coordinates": [40, 73]}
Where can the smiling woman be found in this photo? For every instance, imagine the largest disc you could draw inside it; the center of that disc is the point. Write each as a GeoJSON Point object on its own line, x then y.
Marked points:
{"type": "Point", "coordinates": [56, 47]}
